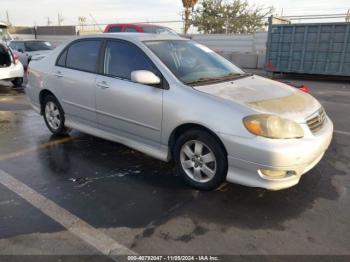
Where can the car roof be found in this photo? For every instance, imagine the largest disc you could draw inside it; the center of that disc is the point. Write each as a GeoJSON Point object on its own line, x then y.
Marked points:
{"type": "Point", "coordinates": [139, 37]}
{"type": "Point", "coordinates": [136, 24]}
{"type": "Point", "coordinates": [27, 40]}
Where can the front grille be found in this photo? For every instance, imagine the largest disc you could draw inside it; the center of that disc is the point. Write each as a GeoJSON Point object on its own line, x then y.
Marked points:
{"type": "Point", "coordinates": [316, 121]}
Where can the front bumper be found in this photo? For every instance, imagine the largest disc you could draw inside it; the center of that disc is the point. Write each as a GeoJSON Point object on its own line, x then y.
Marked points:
{"type": "Point", "coordinates": [246, 156]}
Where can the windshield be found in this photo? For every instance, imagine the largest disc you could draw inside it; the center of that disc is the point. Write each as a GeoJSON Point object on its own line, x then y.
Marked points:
{"type": "Point", "coordinates": [193, 63]}
{"type": "Point", "coordinates": [38, 46]}
{"type": "Point", "coordinates": [158, 30]}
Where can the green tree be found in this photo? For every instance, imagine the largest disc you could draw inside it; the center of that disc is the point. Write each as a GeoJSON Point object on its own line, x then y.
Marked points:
{"type": "Point", "coordinates": [224, 16]}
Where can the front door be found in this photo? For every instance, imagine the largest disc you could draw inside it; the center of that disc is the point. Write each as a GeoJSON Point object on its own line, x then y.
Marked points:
{"type": "Point", "coordinates": [129, 109]}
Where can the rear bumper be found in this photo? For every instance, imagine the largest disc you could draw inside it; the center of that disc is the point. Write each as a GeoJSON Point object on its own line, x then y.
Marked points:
{"type": "Point", "coordinates": [246, 157]}
{"type": "Point", "coordinates": [13, 71]}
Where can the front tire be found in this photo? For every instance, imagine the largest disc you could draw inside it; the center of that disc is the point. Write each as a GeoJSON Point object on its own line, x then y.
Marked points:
{"type": "Point", "coordinates": [17, 82]}
{"type": "Point", "coordinates": [200, 159]}
{"type": "Point", "coordinates": [54, 116]}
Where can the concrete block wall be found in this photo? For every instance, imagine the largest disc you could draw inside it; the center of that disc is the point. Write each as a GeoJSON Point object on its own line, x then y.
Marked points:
{"type": "Point", "coordinates": [245, 50]}
{"type": "Point", "coordinates": [54, 39]}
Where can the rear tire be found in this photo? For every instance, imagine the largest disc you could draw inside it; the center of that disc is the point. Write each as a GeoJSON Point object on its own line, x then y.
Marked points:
{"type": "Point", "coordinates": [200, 159]}
{"type": "Point", "coordinates": [54, 116]}
{"type": "Point", "coordinates": [17, 82]}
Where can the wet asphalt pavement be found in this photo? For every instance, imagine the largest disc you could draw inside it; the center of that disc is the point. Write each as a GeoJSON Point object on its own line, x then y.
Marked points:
{"type": "Point", "coordinates": [142, 204]}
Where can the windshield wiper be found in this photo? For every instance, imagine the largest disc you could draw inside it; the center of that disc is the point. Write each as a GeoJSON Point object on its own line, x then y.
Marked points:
{"type": "Point", "coordinates": [231, 76]}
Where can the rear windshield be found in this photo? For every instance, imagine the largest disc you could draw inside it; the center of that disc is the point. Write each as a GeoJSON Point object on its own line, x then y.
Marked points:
{"type": "Point", "coordinates": [38, 46]}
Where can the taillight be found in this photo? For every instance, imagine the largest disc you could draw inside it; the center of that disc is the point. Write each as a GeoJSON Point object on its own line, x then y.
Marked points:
{"type": "Point", "coordinates": [15, 56]}
{"type": "Point", "coordinates": [304, 88]}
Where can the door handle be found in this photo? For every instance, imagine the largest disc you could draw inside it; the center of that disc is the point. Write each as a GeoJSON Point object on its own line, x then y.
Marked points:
{"type": "Point", "coordinates": [58, 74]}
{"type": "Point", "coordinates": [103, 84]}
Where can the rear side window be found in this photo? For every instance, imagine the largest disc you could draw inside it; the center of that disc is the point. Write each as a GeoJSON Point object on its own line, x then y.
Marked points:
{"type": "Point", "coordinates": [83, 55]}
{"type": "Point", "coordinates": [38, 46]}
{"type": "Point", "coordinates": [122, 58]}
{"type": "Point", "coordinates": [115, 29]}
{"type": "Point", "coordinates": [17, 46]}
{"type": "Point", "coordinates": [13, 45]}
{"type": "Point", "coordinates": [130, 29]}
{"type": "Point", "coordinates": [20, 46]}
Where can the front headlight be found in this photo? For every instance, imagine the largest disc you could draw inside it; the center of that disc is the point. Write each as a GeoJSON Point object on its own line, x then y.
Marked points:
{"type": "Point", "coordinates": [273, 126]}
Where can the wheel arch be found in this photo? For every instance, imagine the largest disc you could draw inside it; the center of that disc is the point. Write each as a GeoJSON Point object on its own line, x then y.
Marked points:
{"type": "Point", "coordinates": [175, 134]}
{"type": "Point", "coordinates": [44, 93]}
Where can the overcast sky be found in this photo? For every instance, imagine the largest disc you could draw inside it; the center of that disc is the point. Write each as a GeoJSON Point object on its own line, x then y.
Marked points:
{"type": "Point", "coordinates": [30, 12]}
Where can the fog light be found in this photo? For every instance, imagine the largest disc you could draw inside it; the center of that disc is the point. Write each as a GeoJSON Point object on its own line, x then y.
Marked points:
{"type": "Point", "coordinates": [276, 173]}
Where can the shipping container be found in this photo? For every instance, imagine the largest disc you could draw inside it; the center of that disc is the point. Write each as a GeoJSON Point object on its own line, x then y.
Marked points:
{"type": "Point", "coordinates": [317, 48]}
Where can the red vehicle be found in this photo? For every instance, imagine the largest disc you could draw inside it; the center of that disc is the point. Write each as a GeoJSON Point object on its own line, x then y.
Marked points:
{"type": "Point", "coordinates": [139, 28]}
{"type": "Point", "coordinates": [301, 87]}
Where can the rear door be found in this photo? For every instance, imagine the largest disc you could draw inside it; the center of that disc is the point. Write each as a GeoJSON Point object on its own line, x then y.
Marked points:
{"type": "Point", "coordinates": [75, 74]}
{"type": "Point", "coordinates": [126, 108]}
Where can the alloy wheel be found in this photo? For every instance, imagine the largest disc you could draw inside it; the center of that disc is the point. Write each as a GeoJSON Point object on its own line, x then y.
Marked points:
{"type": "Point", "coordinates": [198, 161]}
{"type": "Point", "coordinates": [52, 115]}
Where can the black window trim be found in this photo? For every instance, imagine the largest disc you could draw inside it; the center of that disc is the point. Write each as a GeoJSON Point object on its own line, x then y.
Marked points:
{"type": "Point", "coordinates": [74, 42]}
{"type": "Point", "coordinates": [101, 57]}
{"type": "Point", "coordinates": [64, 52]}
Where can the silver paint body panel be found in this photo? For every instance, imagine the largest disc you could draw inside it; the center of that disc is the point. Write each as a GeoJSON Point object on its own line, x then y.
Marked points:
{"type": "Point", "coordinates": [144, 117]}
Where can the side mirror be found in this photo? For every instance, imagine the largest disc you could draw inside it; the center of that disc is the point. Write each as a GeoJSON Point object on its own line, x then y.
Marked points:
{"type": "Point", "coordinates": [145, 77]}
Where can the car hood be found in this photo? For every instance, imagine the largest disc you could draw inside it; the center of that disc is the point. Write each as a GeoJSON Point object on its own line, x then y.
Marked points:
{"type": "Point", "coordinates": [265, 96]}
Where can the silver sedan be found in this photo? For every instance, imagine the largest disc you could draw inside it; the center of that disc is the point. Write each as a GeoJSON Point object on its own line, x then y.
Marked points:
{"type": "Point", "coordinates": [172, 98]}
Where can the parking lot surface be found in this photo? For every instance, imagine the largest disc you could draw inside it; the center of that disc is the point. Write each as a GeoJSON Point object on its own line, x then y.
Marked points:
{"type": "Point", "coordinates": [128, 200]}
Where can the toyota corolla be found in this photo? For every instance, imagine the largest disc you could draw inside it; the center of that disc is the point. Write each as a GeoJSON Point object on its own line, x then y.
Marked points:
{"type": "Point", "coordinates": [172, 98]}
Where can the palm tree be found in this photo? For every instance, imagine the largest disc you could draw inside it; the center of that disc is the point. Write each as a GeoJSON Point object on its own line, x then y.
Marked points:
{"type": "Point", "coordinates": [188, 5]}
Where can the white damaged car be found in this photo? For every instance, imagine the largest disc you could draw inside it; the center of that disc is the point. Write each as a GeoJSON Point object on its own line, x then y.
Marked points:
{"type": "Point", "coordinates": [11, 68]}
{"type": "Point", "coordinates": [172, 98]}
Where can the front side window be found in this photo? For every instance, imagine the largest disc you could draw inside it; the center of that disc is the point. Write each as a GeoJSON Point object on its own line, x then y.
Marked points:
{"type": "Point", "coordinates": [130, 29]}
{"type": "Point", "coordinates": [193, 63]}
{"type": "Point", "coordinates": [32, 46]}
{"type": "Point", "coordinates": [122, 58]}
{"type": "Point", "coordinates": [83, 55]}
